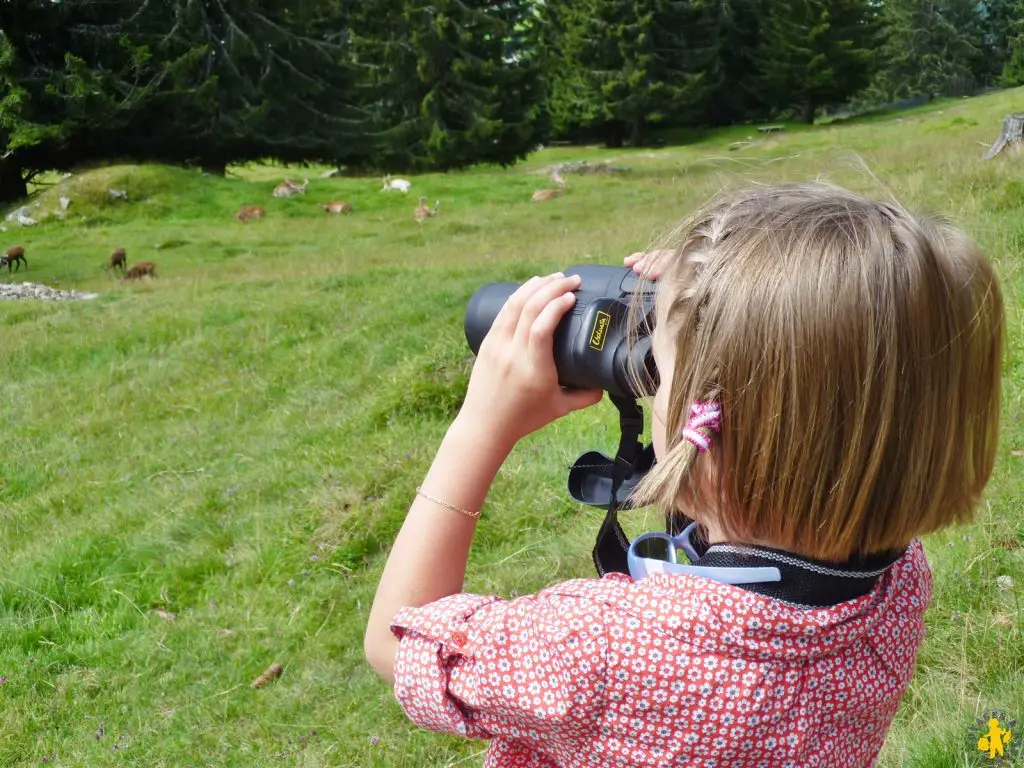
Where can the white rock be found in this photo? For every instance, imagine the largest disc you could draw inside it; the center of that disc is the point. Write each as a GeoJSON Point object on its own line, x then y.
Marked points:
{"type": "Point", "coordinates": [15, 292]}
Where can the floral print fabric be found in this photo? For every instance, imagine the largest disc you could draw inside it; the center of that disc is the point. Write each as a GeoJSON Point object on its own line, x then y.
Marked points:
{"type": "Point", "coordinates": [670, 670]}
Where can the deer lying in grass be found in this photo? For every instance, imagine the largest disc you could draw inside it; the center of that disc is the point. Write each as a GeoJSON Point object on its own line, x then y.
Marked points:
{"type": "Point", "coordinates": [550, 194]}
{"type": "Point", "coordinates": [118, 259]}
{"type": "Point", "coordinates": [289, 188]}
{"type": "Point", "coordinates": [402, 185]}
{"type": "Point", "coordinates": [423, 212]}
{"type": "Point", "coordinates": [15, 255]}
{"type": "Point", "coordinates": [140, 270]}
{"type": "Point", "coordinates": [337, 206]}
{"type": "Point", "coordinates": [250, 213]}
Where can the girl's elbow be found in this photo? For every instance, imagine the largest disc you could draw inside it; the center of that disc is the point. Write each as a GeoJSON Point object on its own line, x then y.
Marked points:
{"type": "Point", "coordinates": [380, 654]}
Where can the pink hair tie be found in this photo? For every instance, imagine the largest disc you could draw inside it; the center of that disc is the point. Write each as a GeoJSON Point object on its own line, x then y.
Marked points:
{"type": "Point", "coordinates": [703, 415]}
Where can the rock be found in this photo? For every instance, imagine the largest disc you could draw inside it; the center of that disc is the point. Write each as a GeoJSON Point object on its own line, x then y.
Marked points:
{"type": "Point", "coordinates": [118, 194]}
{"type": "Point", "coordinates": [65, 202]}
{"type": "Point", "coordinates": [583, 167]}
{"type": "Point", "coordinates": [29, 291]}
{"type": "Point", "coordinates": [21, 216]}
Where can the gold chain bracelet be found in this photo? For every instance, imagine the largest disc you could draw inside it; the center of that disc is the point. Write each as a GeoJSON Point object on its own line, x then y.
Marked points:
{"type": "Point", "coordinates": [446, 505]}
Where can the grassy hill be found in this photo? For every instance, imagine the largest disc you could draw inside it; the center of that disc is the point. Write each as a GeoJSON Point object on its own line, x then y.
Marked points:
{"type": "Point", "coordinates": [200, 473]}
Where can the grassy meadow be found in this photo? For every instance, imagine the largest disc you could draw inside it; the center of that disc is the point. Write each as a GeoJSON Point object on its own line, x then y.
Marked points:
{"type": "Point", "coordinates": [201, 474]}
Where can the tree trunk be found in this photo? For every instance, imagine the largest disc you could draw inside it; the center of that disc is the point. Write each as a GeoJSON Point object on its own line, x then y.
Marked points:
{"type": "Point", "coordinates": [807, 110]}
{"type": "Point", "coordinates": [614, 131]}
{"type": "Point", "coordinates": [1013, 131]}
{"type": "Point", "coordinates": [12, 183]}
{"type": "Point", "coordinates": [636, 134]}
{"type": "Point", "coordinates": [215, 167]}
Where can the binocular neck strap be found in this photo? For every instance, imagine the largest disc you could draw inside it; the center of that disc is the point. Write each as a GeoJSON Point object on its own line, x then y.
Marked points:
{"type": "Point", "coordinates": [612, 548]}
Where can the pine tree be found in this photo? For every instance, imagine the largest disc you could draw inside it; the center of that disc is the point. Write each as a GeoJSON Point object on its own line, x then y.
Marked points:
{"type": "Point", "coordinates": [817, 52]}
{"type": "Point", "coordinates": [570, 56]}
{"type": "Point", "coordinates": [628, 63]}
{"type": "Point", "coordinates": [250, 79]}
{"type": "Point", "coordinates": [739, 95]}
{"type": "Point", "coordinates": [452, 83]}
{"type": "Point", "coordinates": [1011, 23]}
{"type": "Point", "coordinates": [67, 86]}
{"type": "Point", "coordinates": [927, 44]}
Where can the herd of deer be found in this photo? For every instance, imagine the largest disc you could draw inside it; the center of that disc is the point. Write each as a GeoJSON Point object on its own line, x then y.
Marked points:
{"type": "Point", "coordinates": [289, 188]}
{"type": "Point", "coordinates": [14, 258]}
{"type": "Point", "coordinates": [421, 213]}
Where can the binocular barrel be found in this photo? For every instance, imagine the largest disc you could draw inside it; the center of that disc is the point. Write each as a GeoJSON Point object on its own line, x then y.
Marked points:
{"type": "Point", "coordinates": [594, 345]}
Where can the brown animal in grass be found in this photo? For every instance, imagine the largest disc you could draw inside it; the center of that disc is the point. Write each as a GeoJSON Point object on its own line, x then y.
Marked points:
{"type": "Point", "coordinates": [250, 213]}
{"type": "Point", "coordinates": [118, 259]}
{"type": "Point", "coordinates": [337, 206]}
{"type": "Point", "coordinates": [140, 270]}
{"type": "Point", "coordinates": [289, 188]}
{"type": "Point", "coordinates": [550, 194]}
{"type": "Point", "coordinates": [15, 255]}
{"type": "Point", "coordinates": [424, 212]}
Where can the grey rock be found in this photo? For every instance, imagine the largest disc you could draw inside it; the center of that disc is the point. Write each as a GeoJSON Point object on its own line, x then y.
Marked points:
{"type": "Point", "coordinates": [30, 291]}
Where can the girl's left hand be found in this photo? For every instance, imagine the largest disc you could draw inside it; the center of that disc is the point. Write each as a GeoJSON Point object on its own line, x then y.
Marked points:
{"type": "Point", "coordinates": [514, 388]}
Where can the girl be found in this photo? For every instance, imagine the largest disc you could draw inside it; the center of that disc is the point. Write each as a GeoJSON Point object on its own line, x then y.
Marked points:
{"type": "Point", "coordinates": [830, 370]}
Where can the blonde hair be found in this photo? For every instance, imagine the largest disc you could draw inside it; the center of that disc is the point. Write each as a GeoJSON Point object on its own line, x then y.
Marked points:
{"type": "Point", "coordinates": [856, 352]}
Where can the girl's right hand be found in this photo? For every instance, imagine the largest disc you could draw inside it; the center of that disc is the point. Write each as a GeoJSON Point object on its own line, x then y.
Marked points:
{"type": "Point", "coordinates": [650, 264]}
{"type": "Point", "coordinates": [514, 387]}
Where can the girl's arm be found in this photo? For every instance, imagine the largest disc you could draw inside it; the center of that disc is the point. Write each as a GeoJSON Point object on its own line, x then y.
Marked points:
{"type": "Point", "coordinates": [512, 392]}
{"type": "Point", "coordinates": [428, 559]}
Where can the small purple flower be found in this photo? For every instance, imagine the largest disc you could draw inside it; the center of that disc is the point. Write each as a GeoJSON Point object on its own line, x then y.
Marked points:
{"type": "Point", "coordinates": [375, 740]}
{"type": "Point", "coordinates": [3, 679]}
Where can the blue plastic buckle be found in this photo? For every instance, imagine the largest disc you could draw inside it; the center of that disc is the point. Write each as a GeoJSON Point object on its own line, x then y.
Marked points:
{"type": "Point", "coordinates": [640, 567]}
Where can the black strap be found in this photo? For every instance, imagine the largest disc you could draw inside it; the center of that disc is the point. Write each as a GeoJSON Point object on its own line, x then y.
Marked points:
{"type": "Point", "coordinates": [612, 545]}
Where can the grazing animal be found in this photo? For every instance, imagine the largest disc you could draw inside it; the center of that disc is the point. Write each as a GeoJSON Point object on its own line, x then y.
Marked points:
{"type": "Point", "coordinates": [15, 255]}
{"type": "Point", "coordinates": [423, 212]}
{"type": "Point", "coordinates": [137, 271]}
{"type": "Point", "coordinates": [337, 206]}
{"type": "Point", "coordinates": [250, 212]}
{"type": "Point", "coordinates": [402, 185]}
{"type": "Point", "coordinates": [118, 259]}
{"type": "Point", "coordinates": [550, 194]}
{"type": "Point", "coordinates": [289, 188]}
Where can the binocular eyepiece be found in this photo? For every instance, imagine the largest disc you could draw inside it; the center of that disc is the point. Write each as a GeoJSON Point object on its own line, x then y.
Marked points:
{"type": "Point", "coordinates": [592, 345]}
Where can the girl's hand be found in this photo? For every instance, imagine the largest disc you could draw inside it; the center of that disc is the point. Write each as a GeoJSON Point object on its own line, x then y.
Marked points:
{"type": "Point", "coordinates": [651, 264]}
{"type": "Point", "coordinates": [514, 388]}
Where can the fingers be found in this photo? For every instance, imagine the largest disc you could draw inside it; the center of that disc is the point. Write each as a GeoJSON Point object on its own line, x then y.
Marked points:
{"type": "Point", "coordinates": [545, 294]}
{"type": "Point", "coordinates": [651, 264]}
{"type": "Point", "coordinates": [508, 317]}
{"type": "Point", "coordinates": [540, 340]}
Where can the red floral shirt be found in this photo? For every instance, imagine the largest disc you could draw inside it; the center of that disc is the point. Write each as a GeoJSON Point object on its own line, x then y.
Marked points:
{"type": "Point", "coordinates": [672, 669]}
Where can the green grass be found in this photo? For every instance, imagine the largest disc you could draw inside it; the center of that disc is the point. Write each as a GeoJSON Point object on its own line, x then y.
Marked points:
{"type": "Point", "coordinates": [236, 442]}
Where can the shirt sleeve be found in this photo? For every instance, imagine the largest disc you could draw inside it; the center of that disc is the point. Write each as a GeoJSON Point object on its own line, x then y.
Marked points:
{"type": "Point", "coordinates": [483, 667]}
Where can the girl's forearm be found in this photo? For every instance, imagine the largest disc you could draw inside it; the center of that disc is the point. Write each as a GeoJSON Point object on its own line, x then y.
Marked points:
{"type": "Point", "coordinates": [428, 559]}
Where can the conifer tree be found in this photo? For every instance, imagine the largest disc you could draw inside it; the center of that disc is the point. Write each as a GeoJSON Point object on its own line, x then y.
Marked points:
{"type": "Point", "coordinates": [628, 63]}
{"type": "Point", "coordinates": [817, 52]}
{"type": "Point", "coordinates": [452, 82]}
{"type": "Point", "coordinates": [927, 44]}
